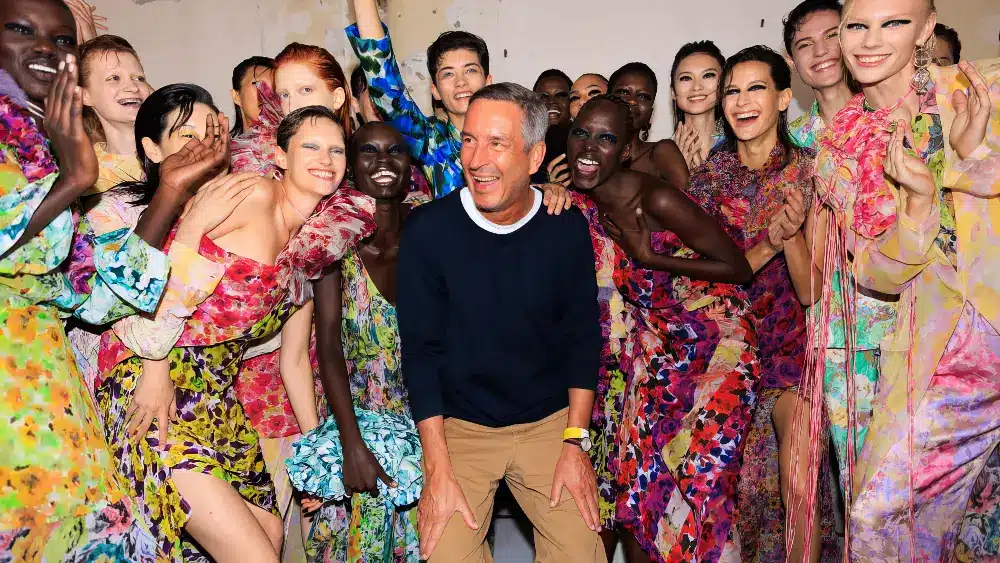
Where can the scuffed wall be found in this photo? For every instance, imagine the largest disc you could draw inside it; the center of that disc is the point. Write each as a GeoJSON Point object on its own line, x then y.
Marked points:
{"type": "Point", "coordinates": [201, 41]}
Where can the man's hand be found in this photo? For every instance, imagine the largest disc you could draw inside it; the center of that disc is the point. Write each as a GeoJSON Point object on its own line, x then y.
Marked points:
{"type": "Point", "coordinates": [575, 471]}
{"type": "Point", "coordinates": [441, 498]}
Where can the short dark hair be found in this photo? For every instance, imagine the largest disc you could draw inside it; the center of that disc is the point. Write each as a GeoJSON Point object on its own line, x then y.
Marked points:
{"type": "Point", "coordinates": [292, 122]}
{"type": "Point", "coordinates": [634, 68]}
{"type": "Point", "coordinates": [358, 81]}
{"type": "Point", "coordinates": [238, 73]}
{"type": "Point", "coordinates": [621, 105]}
{"type": "Point", "coordinates": [951, 36]}
{"type": "Point", "coordinates": [453, 41]}
{"type": "Point", "coordinates": [554, 73]}
{"type": "Point", "coordinates": [536, 117]}
{"type": "Point", "coordinates": [799, 14]}
{"type": "Point", "coordinates": [781, 74]}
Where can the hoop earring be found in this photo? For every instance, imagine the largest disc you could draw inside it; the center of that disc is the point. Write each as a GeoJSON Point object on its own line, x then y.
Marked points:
{"type": "Point", "coordinates": [644, 133]}
{"type": "Point", "coordinates": [922, 61]}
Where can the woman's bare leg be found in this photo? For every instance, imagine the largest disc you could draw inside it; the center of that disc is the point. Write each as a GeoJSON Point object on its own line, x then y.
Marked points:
{"type": "Point", "coordinates": [224, 524]}
{"type": "Point", "coordinates": [610, 540]}
{"type": "Point", "coordinates": [788, 446]}
{"type": "Point", "coordinates": [634, 553]}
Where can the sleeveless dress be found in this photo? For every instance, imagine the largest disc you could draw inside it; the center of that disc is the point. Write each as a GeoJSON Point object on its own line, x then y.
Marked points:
{"type": "Point", "coordinates": [364, 529]}
{"type": "Point", "coordinates": [213, 434]}
{"type": "Point", "coordinates": [690, 369]}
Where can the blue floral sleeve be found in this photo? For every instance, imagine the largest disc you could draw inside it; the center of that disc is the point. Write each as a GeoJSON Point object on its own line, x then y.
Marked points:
{"type": "Point", "coordinates": [388, 92]}
{"type": "Point", "coordinates": [123, 274]}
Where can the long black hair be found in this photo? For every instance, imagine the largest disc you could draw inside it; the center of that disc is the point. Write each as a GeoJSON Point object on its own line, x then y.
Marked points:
{"type": "Point", "coordinates": [154, 121]}
{"type": "Point", "coordinates": [696, 48]}
{"type": "Point", "coordinates": [239, 73]}
{"type": "Point", "coordinates": [782, 77]}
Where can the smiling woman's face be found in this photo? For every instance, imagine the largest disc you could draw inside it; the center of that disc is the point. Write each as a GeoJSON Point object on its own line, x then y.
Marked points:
{"type": "Point", "coordinates": [174, 140]}
{"type": "Point", "coordinates": [878, 37]}
{"type": "Point", "coordinates": [35, 37]}
{"type": "Point", "coordinates": [696, 84]}
{"type": "Point", "coordinates": [585, 88]}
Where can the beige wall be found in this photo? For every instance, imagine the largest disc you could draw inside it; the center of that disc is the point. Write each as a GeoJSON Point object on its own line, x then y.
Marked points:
{"type": "Point", "coordinates": [201, 41]}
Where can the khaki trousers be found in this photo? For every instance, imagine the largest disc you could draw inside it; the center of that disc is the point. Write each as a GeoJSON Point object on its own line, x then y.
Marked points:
{"type": "Point", "coordinates": [525, 456]}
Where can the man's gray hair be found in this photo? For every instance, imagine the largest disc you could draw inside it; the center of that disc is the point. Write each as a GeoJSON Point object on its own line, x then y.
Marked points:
{"type": "Point", "coordinates": [536, 115]}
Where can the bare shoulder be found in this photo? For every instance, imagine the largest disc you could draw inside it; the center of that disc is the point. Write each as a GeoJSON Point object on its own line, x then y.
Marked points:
{"type": "Point", "coordinates": [252, 210]}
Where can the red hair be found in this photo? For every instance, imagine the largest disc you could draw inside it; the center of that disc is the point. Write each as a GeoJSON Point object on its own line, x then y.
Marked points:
{"type": "Point", "coordinates": [326, 68]}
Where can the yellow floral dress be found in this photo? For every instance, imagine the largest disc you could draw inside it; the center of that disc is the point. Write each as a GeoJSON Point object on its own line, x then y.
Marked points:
{"type": "Point", "coordinates": [60, 495]}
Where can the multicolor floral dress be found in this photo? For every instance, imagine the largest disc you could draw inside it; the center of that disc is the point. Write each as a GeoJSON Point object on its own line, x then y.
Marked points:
{"type": "Point", "coordinates": [363, 530]}
{"type": "Point", "coordinates": [938, 388]}
{"type": "Point", "coordinates": [212, 434]}
{"type": "Point", "coordinates": [690, 368]}
{"type": "Point", "coordinates": [874, 318]}
{"type": "Point", "coordinates": [744, 201]}
{"type": "Point", "coordinates": [60, 495]}
{"type": "Point", "coordinates": [610, 394]}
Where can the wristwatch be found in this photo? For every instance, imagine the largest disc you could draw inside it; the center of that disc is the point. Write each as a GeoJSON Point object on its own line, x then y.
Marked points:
{"type": "Point", "coordinates": [579, 437]}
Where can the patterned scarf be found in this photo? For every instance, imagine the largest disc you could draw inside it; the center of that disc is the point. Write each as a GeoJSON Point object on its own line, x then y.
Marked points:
{"type": "Point", "coordinates": [861, 136]}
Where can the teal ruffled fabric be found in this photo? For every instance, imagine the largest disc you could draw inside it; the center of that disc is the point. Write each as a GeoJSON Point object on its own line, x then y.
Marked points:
{"type": "Point", "coordinates": [316, 466]}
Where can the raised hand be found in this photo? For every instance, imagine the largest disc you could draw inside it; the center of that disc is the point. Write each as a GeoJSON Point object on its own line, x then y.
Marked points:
{"type": "Point", "coordinates": [689, 141]}
{"type": "Point", "coordinates": [795, 210]}
{"type": "Point", "coordinates": [906, 169]}
{"type": "Point", "coordinates": [637, 243]}
{"type": "Point", "coordinates": [64, 127]}
{"type": "Point", "coordinates": [88, 23]}
{"type": "Point", "coordinates": [213, 204]}
{"type": "Point", "coordinates": [197, 161]}
{"type": "Point", "coordinates": [558, 170]}
{"type": "Point", "coordinates": [972, 112]}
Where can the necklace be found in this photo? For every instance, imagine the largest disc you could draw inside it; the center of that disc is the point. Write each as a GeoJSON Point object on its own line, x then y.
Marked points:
{"type": "Point", "coordinates": [290, 204]}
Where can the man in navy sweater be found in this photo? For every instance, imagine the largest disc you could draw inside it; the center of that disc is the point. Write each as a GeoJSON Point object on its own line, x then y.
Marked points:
{"type": "Point", "coordinates": [498, 319]}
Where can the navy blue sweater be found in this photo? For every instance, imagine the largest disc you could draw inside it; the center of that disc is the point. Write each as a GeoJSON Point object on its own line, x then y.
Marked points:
{"type": "Point", "coordinates": [496, 328]}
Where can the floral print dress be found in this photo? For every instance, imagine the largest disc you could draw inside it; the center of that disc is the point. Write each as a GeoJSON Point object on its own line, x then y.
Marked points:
{"type": "Point", "coordinates": [213, 434]}
{"type": "Point", "coordinates": [689, 362]}
{"type": "Point", "coordinates": [60, 495]}
{"type": "Point", "coordinates": [610, 394]}
{"type": "Point", "coordinates": [366, 529]}
{"type": "Point", "coordinates": [743, 201]}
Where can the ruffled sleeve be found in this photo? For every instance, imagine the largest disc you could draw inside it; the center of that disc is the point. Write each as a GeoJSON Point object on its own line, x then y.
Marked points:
{"type": "Point", "coordinates": [317, 462]}
{"type": "Point", "coordinates": [192, 279]}
{"type": "Point", "coordinates": [253, 151]}
{"type": "Point", "coordinates": [128, 276]}
{"type": "Point", "coordinates": [338, 224]}
{"type": "Point", "coordinates": [27, 174]}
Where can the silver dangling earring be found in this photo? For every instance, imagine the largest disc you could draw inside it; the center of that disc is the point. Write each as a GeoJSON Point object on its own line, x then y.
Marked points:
{"type": "Point", "coordinates": [922, 61]}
